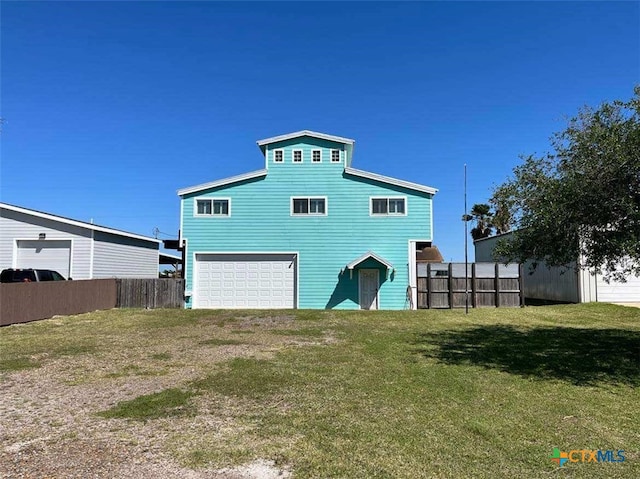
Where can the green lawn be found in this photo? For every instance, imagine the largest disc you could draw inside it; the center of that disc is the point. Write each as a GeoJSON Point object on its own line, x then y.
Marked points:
{"type": "Point", "coordinates": [366, 394]}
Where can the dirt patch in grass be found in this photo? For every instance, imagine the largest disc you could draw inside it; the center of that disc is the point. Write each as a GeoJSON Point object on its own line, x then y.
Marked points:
{"type": "Point", "coordinates": [327, 394]}
{"type": "Point", "coordinates": [101, 394]}
{"type": "Point", "coordinates": [266, 322]}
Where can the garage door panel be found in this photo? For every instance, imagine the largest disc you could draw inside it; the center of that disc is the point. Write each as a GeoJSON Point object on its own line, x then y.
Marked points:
{"type": "Point", "coordinates": [618, 292]}
{"type": "Point", "coordinates": [45, 254]}
{"type": "Point", "coordinates": [245, 280]}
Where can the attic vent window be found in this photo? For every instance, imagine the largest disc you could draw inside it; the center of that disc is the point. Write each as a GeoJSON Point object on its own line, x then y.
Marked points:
{"type": "Point", "coordinates": [278, 156]}
{"type": "Point", "coordinates": [297, 156]}
{"type": "Point", "coordinates": [316, 156]}
{"type": "Point", "coordinates": [335, 156]}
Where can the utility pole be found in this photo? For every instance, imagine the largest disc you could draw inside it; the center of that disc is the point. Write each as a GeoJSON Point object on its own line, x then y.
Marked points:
{"type": "Point", "coordinates": [466, 257]}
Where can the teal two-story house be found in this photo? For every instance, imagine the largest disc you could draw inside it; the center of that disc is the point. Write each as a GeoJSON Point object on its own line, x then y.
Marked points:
{"type": "Point", "coordinates": [306, 231]}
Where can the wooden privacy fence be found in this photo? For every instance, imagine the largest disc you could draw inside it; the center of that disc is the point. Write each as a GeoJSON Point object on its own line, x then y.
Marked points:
{"type": "Point", "coordinates": [444, 285]}
{"type": "Point", "coordinates": [150, 293]}
{"type": "Point", "coordinates": [23, 302]}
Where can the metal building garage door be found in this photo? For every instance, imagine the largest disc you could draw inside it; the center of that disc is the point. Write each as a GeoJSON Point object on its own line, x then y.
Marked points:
{"type": "Point", "coordinates": [245, 280]}
{"type": "Point", "coordinates": [617, 292]}
{"type": "Point", "coordinates": [45, 254]}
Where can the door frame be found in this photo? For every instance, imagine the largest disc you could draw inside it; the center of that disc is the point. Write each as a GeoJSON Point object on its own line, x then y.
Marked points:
{"type": "Point", "coordinates": [377, 297]}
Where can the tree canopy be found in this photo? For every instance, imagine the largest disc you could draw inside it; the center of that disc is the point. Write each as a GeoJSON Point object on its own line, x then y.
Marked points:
{"type": "Point", "coordinates": [582, 200]}
{"type": "Point", "coordinates": [481, 213]}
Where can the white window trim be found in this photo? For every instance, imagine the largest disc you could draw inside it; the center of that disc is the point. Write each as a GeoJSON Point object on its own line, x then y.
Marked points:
{"type": "Point", "coordinates": [212, 199]}
{"type": "Point", "coordinates": [339, 155]}
{"type": "Point", "coordinates": [312, 152]}
{"type": "Point", "coordinates": [293, 156]}
{"type": "Point", "coordinates": [302, 197]}
{"type": "Point", "coordinates": [274, 155]}
{"type": "Point", "coordinates": [406, 205]}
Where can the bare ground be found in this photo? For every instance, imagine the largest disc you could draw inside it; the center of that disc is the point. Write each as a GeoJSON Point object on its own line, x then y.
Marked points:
{"type": "Point", "coordinates": [49, 427]}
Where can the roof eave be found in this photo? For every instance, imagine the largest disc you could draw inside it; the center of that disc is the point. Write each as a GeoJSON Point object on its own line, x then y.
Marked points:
{"type": "Point", "coordinates": [223, 182]}
{"type": "Point", "coordinates": [391, 181]}
{"type": "Point", "coordinates": [297, 134]}
{"type": "Point", "coordinates": [366, 256]}
{"type": "Point", "coordinates": [80, 224]}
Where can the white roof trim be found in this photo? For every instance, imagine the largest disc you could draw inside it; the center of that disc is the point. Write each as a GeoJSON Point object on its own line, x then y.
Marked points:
{"type": "Point", "coordinates": [297, 134]}
{"type": "Point", "coordinates": [391, 181]}
{"type": "Point", "coordinates": [506, 233]}
{"type": "Point", "coordinates": [171, 256]}
{"type": "Point", "coordinates": [81, 224]}
{"type": "Point", "coordinates": [367, 255]}
{"type": "Point", "coordinates": [222, 182]}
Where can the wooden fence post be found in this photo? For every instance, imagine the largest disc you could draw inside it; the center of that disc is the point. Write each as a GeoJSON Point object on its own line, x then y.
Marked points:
{"type": "Point", "coordinates": [429, 286]}
{"type": "Point", "coordinates": [450, 285]}
{"type": "Point", "coordinates": [473, 286]}
{"type": "Point", "coordinates": [496, 284]}
{"type": "Point", "coordinates": [521, 283]}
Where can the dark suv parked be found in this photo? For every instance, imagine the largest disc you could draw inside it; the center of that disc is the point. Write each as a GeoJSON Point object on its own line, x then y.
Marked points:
{"type": "Point", "coordinates": [28, 275]}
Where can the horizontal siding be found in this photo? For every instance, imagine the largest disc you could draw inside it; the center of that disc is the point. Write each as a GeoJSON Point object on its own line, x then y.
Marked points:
{"type": "Point", "coordinates": [117, 257]}
{"type": "Point", "coordinates": [307, 146]}
{"type": "Point", "coordinates": [15, 225]}
{"type": "Point", "coordinates": [617, 291]}
{"type": "Point", "coordinates": [260, 221]}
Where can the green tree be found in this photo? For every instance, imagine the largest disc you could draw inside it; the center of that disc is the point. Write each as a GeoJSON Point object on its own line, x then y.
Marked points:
{"type": "Point", "coordinates": [583, 200]}
{"type": "Point", "coordinates": [501, 220]}
{"type": "Point", "coordinates": [481, 213]}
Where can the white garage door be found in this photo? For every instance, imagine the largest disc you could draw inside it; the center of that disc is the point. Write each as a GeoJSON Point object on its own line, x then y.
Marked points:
{"type": "Point", "coordinates": [246, 280]}
{"type": "Point", "coordinates": [616, 292]}
{"type": "Point", "coordinates": [45, 254]}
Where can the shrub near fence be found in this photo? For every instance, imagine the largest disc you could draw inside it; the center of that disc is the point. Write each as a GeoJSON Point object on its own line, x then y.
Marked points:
{"type": "Point", "coordinates": [443, 285]}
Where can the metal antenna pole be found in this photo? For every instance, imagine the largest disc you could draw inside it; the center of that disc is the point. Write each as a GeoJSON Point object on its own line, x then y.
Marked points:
{"type": "Point", "coordinates": [466, 257]}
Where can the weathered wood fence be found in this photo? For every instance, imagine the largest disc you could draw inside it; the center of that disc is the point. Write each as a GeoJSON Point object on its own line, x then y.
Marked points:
{"type": "Point", "coordinates": [445, 285]}
{"type": "Point", "coordinates": [149, 293]}
{"type": "Point", "coordinates": [23, 302]}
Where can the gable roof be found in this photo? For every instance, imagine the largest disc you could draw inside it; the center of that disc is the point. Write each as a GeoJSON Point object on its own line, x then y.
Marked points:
{"type": "Point", "coordinates": [223, 182]}
{"type": "Point", "coordinates": [338, 139]}
{"type": "Point", "coordinates": [80, 224]}
{"type": "Point", "coordinates": [297, 134]}
{"type": "Point", "coordinates": [391, 181]}
{"type": "Point", "coordinates": [262, 144]}
{"type": "Point", "coordinates": [366, 256]}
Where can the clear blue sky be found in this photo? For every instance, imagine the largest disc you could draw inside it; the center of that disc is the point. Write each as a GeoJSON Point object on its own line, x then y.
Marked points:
{"type": "Point", "coordinates": [111, 107]}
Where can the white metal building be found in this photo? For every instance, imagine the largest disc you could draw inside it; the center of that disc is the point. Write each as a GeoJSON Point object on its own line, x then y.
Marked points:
{"type": "Point", "coordinates": [554, 283]}
{"type": "Point", "coordinates": [76, 249]}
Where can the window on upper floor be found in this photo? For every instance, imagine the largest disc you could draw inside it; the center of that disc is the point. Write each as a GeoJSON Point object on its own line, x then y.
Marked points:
{"type": "Point", "coordinates": [388, 206]}
{"type": "Point", "coordinates": [316, 156]}
{"type": "Point", "coordinates": [297, 156]}
{"type": "Point", "coordinates": [309, 206]}
{"type": "Point", "coordinates": [278, 156]}
{"type": "Point", "coordinates": [212, 207]}
{"type": "Point", "coordinates": [335, 156]}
